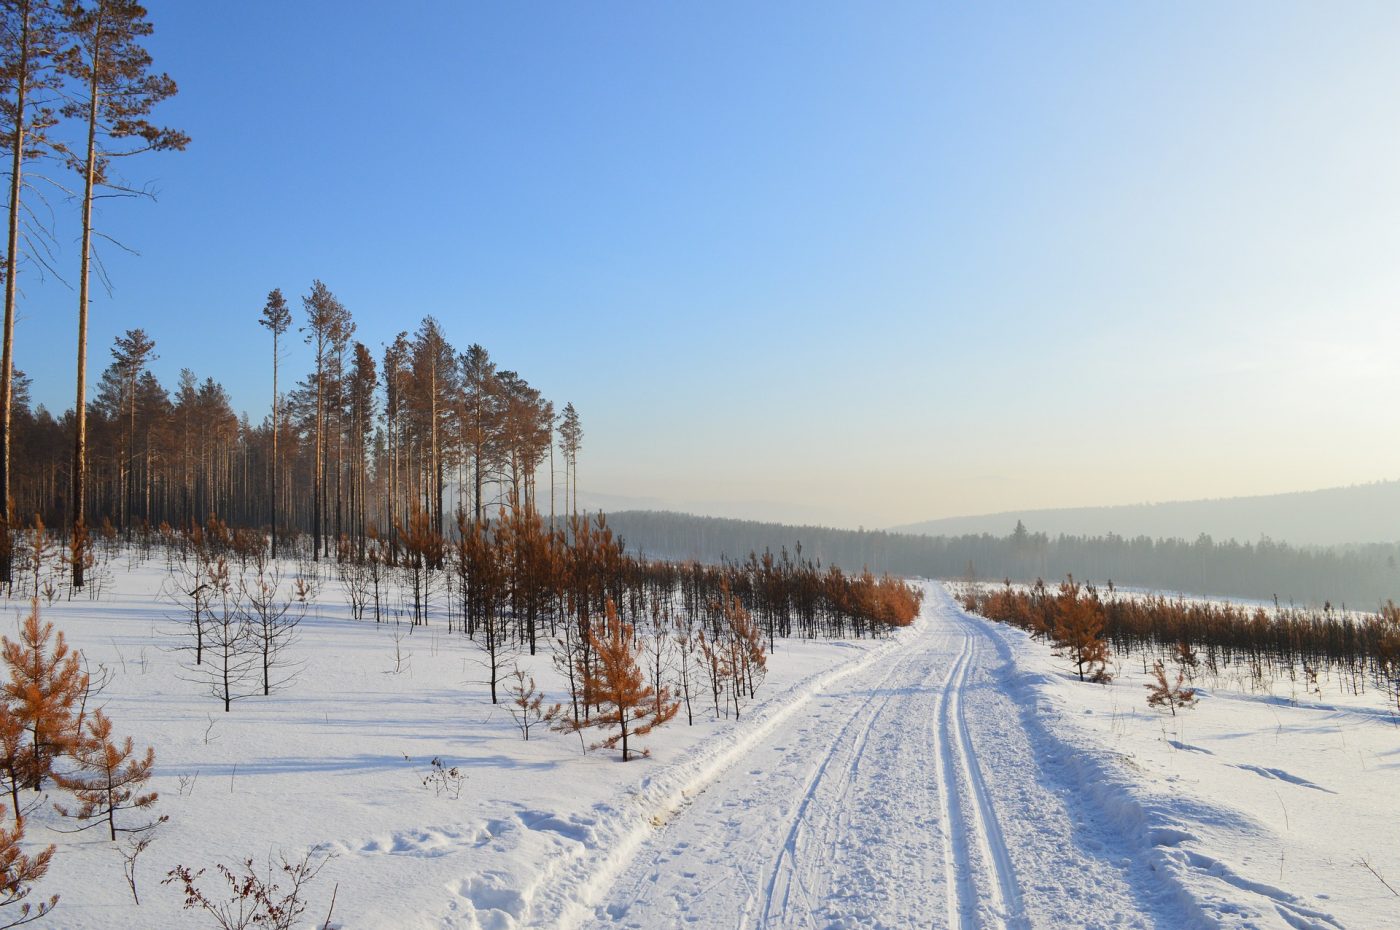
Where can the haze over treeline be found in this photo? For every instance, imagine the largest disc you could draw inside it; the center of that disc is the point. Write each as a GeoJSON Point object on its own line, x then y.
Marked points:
{"type": "Point", "coordinates": [1362, 576]}
{"type": "Point", "coordinates": [1364, 513]}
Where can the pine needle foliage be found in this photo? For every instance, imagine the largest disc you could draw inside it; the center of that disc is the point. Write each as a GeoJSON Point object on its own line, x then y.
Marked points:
{"type": "Point", "coordinates": [108, 778]}
{"type": "Point", "coordinates": [1079, 631]}
{"type": "Point", "coordinates": [18, 873]}
{"type": "Point", "coordinates": [617, 687]}
{"type": "Point", "coordinates": [1208, 637]}
{"type": "Point", "coordinates": [1169, 694]}
{"type": "Point", "coordinates": [44, 690]}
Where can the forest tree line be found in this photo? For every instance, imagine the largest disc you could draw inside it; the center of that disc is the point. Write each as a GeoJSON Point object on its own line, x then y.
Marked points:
{"type": "Point", "coordinates": [368, 437]}
{"type": "Point", "coordinates": [363, 441]}
{"type": "Point", "coordinates": [1361, 576]}
{"type": "Point", "coordinates": [1204, 636]}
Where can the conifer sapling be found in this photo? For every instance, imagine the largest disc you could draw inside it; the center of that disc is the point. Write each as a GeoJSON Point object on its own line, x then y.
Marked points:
{"type": "Point", "coordinates": [18, 873]}
{"type": "Point", "coordinates": [44, 691]}
{"type": "Point", "coordinates": [1162, 693]}
{"type": "Point", "coordinates": [618, 688]}
{"type": "Point", "coordinates": [108, 778]}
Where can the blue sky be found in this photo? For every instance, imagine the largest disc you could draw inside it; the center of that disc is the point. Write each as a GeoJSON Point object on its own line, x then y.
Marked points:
{"type": "Point", "coordinates": [857, 263]}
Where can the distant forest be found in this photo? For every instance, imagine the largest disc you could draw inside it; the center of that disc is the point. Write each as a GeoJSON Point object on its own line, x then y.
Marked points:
{"type": "Point", "coordinates": [1361, 576]}
{"type": "Point", "coordinates": [1361, 513]}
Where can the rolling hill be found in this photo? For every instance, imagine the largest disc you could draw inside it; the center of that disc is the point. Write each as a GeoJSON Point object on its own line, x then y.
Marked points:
{"type": "Point", "coordinates": [1367, 513]}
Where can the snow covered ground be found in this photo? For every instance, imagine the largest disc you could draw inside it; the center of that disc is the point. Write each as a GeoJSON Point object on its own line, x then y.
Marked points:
{"type": "Point", "coordinates": [1260, 809]}
{"type": "Point", "coordinates": [338, 760]}
{"type": "Point", "coordinates": [950, 776]}
{"type": "Point", "coordinates": [970, 781]}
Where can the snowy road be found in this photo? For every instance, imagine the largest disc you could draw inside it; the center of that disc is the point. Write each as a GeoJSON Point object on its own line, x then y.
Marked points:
{"type": "Point", "coordinates": [909, 794]}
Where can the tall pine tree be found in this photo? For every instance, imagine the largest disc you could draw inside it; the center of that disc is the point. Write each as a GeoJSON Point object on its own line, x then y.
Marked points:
{"type": "Point", "coordinates": [28, 43]}
{"type": "Point", "coordinates": [129, 357]}
{"type": "Point", "coordinates": [277, 318]}
{"type": "Point", "coordinates": [327, 326]}
{"type": "Point", "coordinates": [107, 61]}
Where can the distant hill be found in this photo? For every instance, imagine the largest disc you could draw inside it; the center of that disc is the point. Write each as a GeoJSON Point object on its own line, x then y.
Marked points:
{"type": "Point", "coordinates": [1363, 575]}
{"type": "Point", "coordinates": [1367, 513]}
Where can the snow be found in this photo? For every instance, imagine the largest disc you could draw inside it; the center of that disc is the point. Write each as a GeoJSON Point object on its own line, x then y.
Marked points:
{"type": "Point", "coordinates": [338, 760]}
{"type": "Point", "coordinates": [1255, 809]}
{"type": "Point", "coordinates": [951, 775]}
{"type": "Point", "coordinates": [972, 782]}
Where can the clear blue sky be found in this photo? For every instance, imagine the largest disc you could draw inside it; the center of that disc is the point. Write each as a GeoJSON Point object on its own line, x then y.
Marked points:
{"type": "Point", "coordinates": [861, 263]}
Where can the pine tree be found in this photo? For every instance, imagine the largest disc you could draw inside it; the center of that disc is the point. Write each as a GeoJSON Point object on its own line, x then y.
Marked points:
{"type": "Point", "coordinates": [225, 638]}
{"type": "Point", "coordinates": [328, 325]}
{"type": "Point", "coordinates": [45, 691]}
{"type": "Point", "coordinates": [617, 687]}
{"type": "Point", "coordinates": [15, 759]}
{"type": "Point", "coordinates": [570, 441]}
{"type": "Point", "coordinates": [1079, 630]}
{"type": "Point", "coordinates": [1162, 692]}
{"type": "Point", "coordinates": [277, 318]}
{"type": "Point", "coordinates": [395, 369]}
{"type": "Point", "coordinates": [746, 658]}
{"type": "Point", "coordinates": [714, 660]}
{"type": "Point", "coordinates": [480, 419]}
{"type": "Point", "coordinates": [129, 357]}
{"type": "Point", "coordinates": [484, 561]}
{"type": "Point", "coordinates": [108, 778]}
{"type": "Point", "coordinates": [272, 620]}
{"type": "Point", "coordinates": [28, 43]}
{"type": "Point", "coordinates": [107, 60]}
{"type": "Point", "coordinates": [361, 384]}
{"type": "Point", "coordinates": [568, 659]}
{"type": "Point", "coordinates": [685, 638]}
{"type": "Point", "coordinates": [423, 553]}
{"type": "Point", "coordinates": [435, 390]}
{"type": "Point", "coordinates": [526, 703]}
{"type": "Point", "coordinates": [40, 550]}
{"type": "Point", "coordinates": [18, 873]}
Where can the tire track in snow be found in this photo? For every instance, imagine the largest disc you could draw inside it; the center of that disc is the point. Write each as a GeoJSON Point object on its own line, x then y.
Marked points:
{"type": "Point", "coordinates": [863, 821]}
{"type": "Point", "coordinates": [784, 871]}
{"type": "Point", "coordinates": [636, 887]}
{"type": "Point", "coordinates": [958, 762]}
{"type": "Point", "coordinates": [579, 896]}
{"type": "Point", "coordinates": [958, 882]}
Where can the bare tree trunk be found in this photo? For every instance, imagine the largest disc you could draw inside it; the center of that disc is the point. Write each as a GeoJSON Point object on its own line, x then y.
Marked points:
{"type": "Point", "coordinates": [436, 476]}
{"type": "Point", "coordinates": [129, 486]}
{"type": "Point", "coordinates": [317, 487]}
{"type": "Point", "coordinates": [476, 473]}
{"type": "Point", "coordinates": [80, 442]}
{"type": "Point", "coordinates": [274, 444]}
{"type": "Point", "coordinates": [11, 266]}
{"type": "Point", "coordinates": [147, 506]}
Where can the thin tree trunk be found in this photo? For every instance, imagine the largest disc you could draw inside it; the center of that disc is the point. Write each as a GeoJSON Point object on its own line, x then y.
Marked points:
{"type": "Point", "coordinates": [316, 477]}
{"type": "Point", "coordinates": [11, 266]}
{"type": "Point", "coordinates": [274, 441]}
{"type": "Point", "coordinates": [80, 442]}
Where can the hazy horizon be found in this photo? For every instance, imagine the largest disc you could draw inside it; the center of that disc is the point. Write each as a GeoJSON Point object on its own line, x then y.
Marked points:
{"type": "Point", "coordinates": [1052, 519]}
{"type": "Point", "coordinates": [856, 267]}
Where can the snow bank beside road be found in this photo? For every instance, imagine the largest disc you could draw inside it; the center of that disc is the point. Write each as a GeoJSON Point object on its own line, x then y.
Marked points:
{"type": "Point", "coordinates": [1257, 809]}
